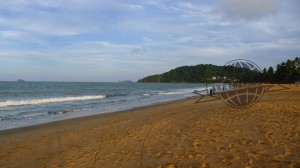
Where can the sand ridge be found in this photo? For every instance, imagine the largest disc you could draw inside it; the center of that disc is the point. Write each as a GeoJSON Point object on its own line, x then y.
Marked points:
{"type": "Point", "coordinates": [176, 134]}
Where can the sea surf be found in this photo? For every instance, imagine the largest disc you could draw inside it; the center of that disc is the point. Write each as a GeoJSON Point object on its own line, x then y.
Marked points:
{"type": "Point", "coordinates": [30, 103]}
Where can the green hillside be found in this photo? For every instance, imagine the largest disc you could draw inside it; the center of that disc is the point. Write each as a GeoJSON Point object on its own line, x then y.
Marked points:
{"type": "Point", "coordinates": [192, 74]}
{"type": "Point", "coordinates": [286, 72]}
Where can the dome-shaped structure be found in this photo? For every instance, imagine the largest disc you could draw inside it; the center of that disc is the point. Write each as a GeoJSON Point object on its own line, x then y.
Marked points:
{"type": "Point", "coordinates": [242, 98]}
{"type": "Point", "coordinates": [243, 63]}
{"type": "Point", "coordinates": [239, 70]}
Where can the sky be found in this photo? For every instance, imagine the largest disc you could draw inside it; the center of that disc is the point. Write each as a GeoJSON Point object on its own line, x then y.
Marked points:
{"type": "Point", "coordinates": [115, 40]}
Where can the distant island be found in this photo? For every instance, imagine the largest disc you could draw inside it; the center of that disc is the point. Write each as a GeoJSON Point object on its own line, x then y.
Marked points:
{"type": "Point", "coordinates": [286, 72]}
{"type": "Point", "coordinates": [126, 81]}
{"type": "Point", "coordinates": [20, 80]}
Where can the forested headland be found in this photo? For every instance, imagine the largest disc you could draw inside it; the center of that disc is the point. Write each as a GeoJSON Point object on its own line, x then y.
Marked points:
{"type": "Point", "coordinates": [285, 72]}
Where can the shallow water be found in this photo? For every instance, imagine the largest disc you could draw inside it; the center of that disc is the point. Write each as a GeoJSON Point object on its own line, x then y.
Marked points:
{"type": "Point", "coordinates": [30, 103]}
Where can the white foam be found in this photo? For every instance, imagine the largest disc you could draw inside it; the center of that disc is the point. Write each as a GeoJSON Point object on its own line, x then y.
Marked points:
{"type": "Point", "coordinates": [47, 100]}
{"type": "Point", "coordinates": [181, 91]}
{"type": "Point", "coordinates": [168, 93]}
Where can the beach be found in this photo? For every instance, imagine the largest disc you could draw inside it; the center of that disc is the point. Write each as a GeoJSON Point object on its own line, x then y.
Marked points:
{"type": "Point", "coordinates": [174, 134]}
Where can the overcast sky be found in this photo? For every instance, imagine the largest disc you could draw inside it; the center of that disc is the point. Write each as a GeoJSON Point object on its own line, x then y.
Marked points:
{"type": "Point", "coordinates": [114, 40]}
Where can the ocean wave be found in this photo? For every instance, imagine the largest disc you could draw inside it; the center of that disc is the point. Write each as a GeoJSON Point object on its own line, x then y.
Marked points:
{"type": "Point", "coordinates": [146, 94]}
{"type": "Point", "coordinates": [168, 93]}
{"type": "Point", "coordinates": [31, 115]}
{"type": "Point", "coordinates": [59, 112]}
{"type": "Point", "coordinates": [117, 94]}
{"type": "Point", "coordinates": [47, 100]}
{"type": "Point", "coordinates": [22, 116]}
{"type": "Point", "coordinates": [176, 92]}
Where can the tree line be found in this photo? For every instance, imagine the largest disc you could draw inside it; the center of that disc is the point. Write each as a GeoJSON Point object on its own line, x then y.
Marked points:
{"type": "Point", "coordinates": [190, 74]}
{"type": "Point", "coordinates": [286, 72]}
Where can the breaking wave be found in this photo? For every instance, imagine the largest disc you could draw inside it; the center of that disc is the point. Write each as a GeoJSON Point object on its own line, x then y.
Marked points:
{"type": "Point", "coordinates": [47, 100]}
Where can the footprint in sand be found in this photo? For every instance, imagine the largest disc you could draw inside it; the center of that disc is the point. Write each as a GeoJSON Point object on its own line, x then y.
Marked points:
{"type": "Point", "coordinates": [220, 148]}
{"type": "Point", "coordinates": [204, 165]}
{"type": "Point", "coordinates": [232, 145]}
{"type": "Point", "coordinates": [209, 130]}
{"type": "Point", "coordinates": [168, 165]}
{"type": "Point", "coordinates": [246, 142]}
{"type": "Point", "coordinates": [196, 144]}
{"type": "Point", "coordinates": [261, 142]}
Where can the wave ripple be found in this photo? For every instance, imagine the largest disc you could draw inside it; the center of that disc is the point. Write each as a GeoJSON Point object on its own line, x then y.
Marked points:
{"type": "Point", "coordinates": [47, 100]}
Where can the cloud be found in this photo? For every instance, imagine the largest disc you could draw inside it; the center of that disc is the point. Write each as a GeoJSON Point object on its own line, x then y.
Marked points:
{"type": "Point", "coordinates": [116, 39]}
{"type": "Point", "coordinates": [247, 9]}
{"type": "Point", "coordinates": [140, 50]}
{"type": "Point", "coordinates": [11, 34]}
{"type": "Point", "coordinates": [61, 18]}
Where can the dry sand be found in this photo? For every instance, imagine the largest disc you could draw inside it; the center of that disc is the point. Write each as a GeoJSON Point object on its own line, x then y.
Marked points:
{"type": "Point", "coordinates": [176, 134]}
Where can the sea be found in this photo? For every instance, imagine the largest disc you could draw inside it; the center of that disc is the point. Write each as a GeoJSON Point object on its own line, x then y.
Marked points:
{"type": "Point", "coordinates": [31, 103]}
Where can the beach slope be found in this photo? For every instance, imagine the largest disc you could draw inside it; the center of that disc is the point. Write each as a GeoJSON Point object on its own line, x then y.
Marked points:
{"type": "Point", "coordinates": [175, 134]}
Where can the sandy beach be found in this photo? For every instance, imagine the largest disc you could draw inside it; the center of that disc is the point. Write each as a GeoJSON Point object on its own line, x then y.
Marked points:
{"type": "Point", "coordinates": [175, 134]}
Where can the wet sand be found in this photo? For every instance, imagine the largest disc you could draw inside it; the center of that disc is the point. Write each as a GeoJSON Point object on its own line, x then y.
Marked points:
{"type": "Point", "coordinates": [175, 134]}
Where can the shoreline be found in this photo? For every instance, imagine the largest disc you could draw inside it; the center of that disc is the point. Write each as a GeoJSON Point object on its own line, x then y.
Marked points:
{"type": "Point", "coordinates": [177, 133]}
{"type": "Point", "coordinates": [96, 115]}
{"type": "Point", "coordinates": [118, 111]}
{"type": "Point", "coordinates": [28, 110]}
